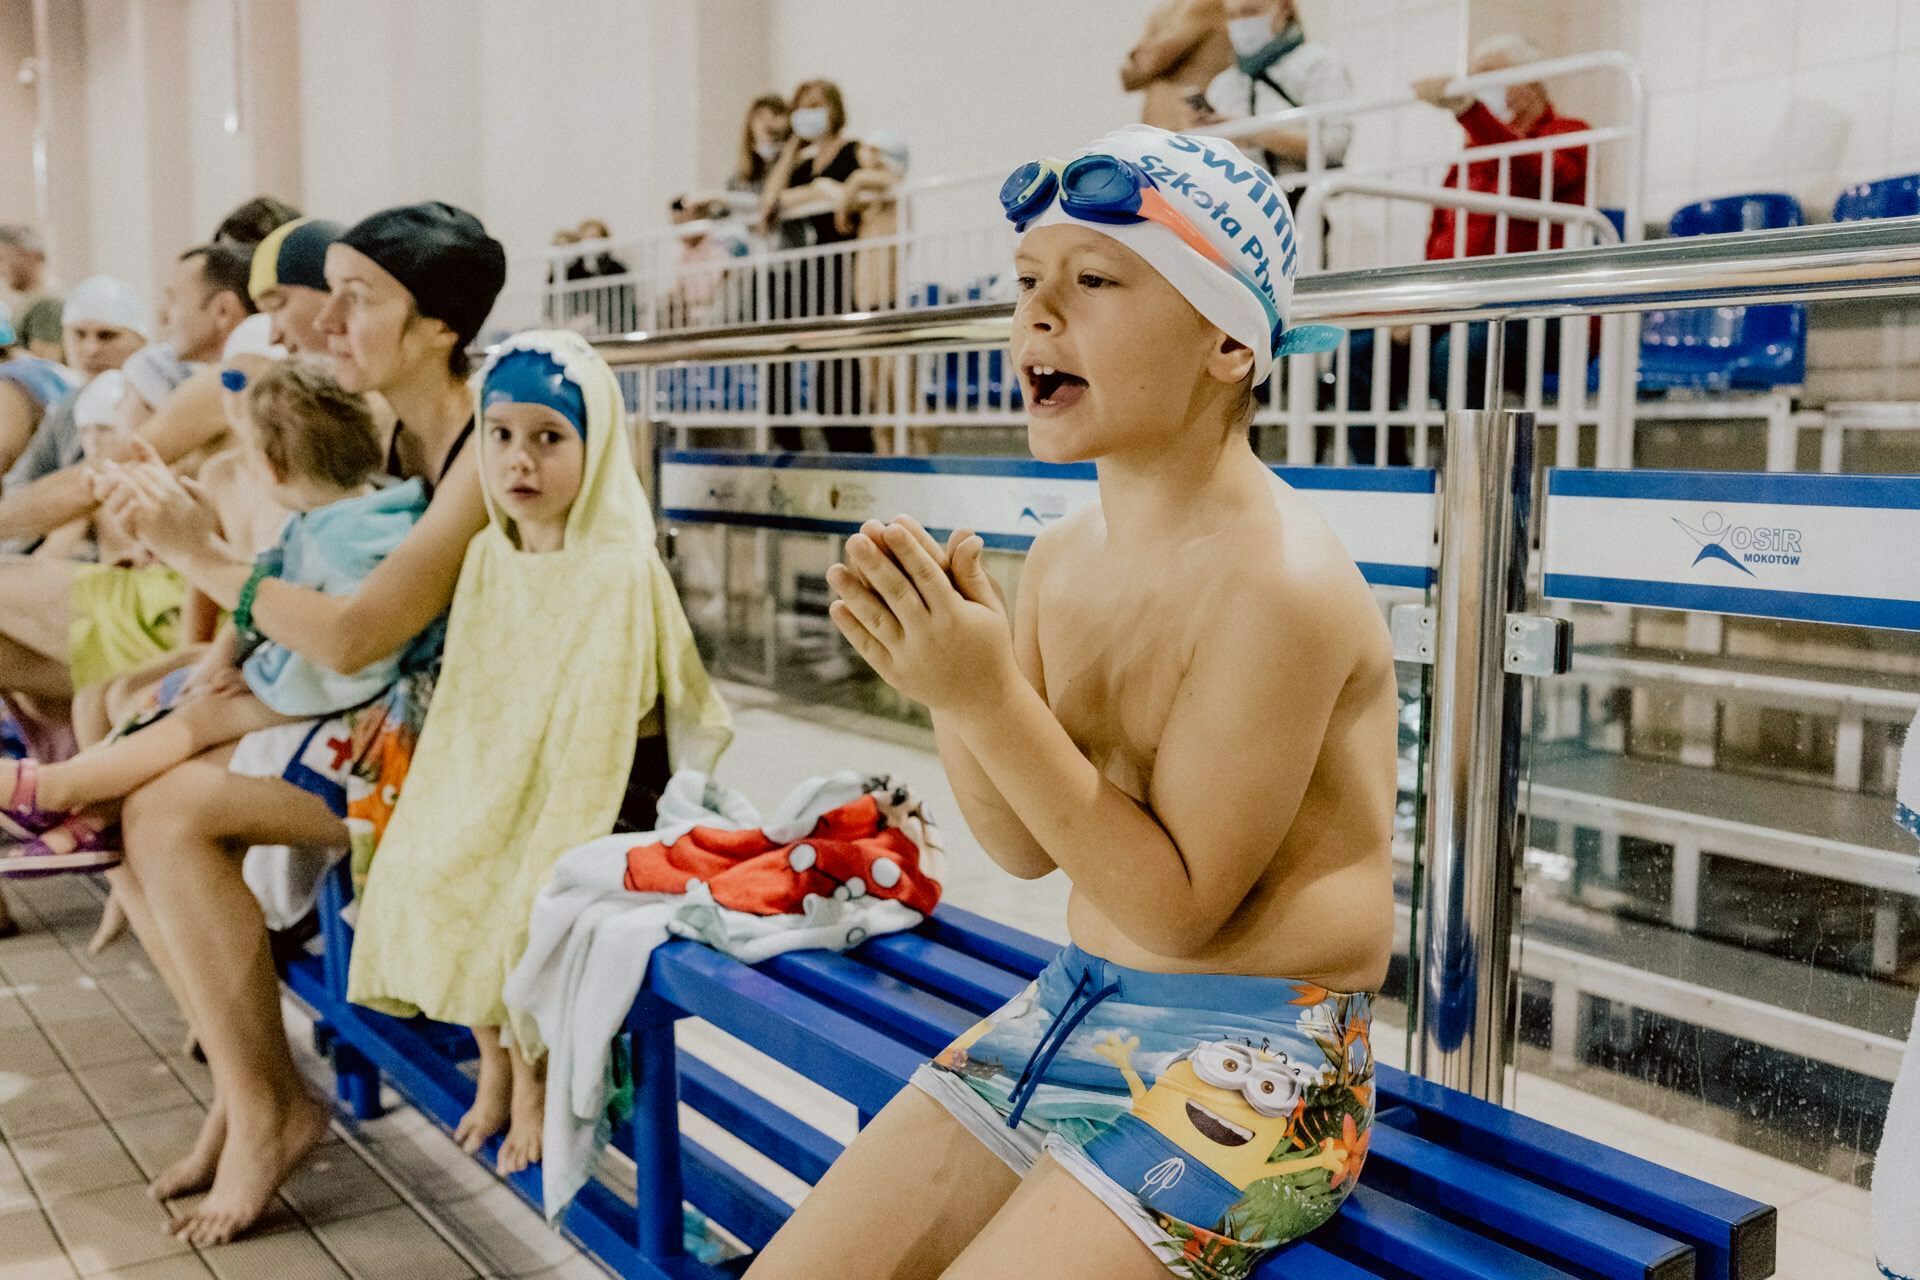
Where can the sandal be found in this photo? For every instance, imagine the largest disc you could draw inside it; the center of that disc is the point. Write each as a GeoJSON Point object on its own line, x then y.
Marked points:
{"type": "Point", "coordinates": [88, 849]}
{"type": "Point", "coordinates": [21, 819]}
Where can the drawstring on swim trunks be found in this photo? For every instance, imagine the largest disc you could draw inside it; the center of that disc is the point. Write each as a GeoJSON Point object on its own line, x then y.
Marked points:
{"type": "Point", "coordinates": [1035, 1072]}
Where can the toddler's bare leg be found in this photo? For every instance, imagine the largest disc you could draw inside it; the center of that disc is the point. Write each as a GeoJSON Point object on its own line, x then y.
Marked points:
{"type": "Point", "coordinates": [528, 1113]}
{"type": "Point", "coordinates": [492, 1095]}
{"type": "Point", "coordinates": [114, 769]}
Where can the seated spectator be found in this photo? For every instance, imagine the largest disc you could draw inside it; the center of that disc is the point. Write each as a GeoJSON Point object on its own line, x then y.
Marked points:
{"type": "Point", "coordinates": [23, 268]}
{"type": "Point", "coordinates": [39, 329]}
{"type": "Point", "coordinates": [522, 759]}
{"type": "Point", "coordinates": [253, 221]}
{"type": "Point", "coordinates": [411, 291]}
{"type": "Point", "coordinates": [1519, 112]}
{"type": "Point", "coordinates": [1183, 48]}
{"type": "Point", "coordinates": [104, 324]}
{"type": "Point", "coordinates": [288, 283]}
{"type": "Point", "coordinates": [762, 138]}
{"type": "Point", "coordinates": [28, 386]}
{"type": "Point", "coordinates": [594, 233]}
{"type": "Point", "coordinates": [320, 446]}
{"type": "Point", "coordinates": [1276, 68]}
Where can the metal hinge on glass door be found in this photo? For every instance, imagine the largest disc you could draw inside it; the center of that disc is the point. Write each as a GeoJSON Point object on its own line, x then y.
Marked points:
{"type": "Point", "coordinates": [1536, 645]}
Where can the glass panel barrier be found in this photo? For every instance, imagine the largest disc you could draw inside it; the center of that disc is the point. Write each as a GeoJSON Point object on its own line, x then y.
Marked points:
{"type": "Point", "coordinates": [1719, 944]}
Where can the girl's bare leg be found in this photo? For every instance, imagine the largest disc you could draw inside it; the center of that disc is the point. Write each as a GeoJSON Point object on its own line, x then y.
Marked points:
{"type": "Point", "coordinates": [528, 1114]}
{"type": "Point", "coordinates": [492, 1095]}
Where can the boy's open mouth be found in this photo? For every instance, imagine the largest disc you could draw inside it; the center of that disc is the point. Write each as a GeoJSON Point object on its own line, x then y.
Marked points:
{"type": "Point", "coordinates": [1052, 388]}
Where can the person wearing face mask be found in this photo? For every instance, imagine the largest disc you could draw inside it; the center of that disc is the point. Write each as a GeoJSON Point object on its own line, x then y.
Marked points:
{"type": "Point", "coordinates": [1511, 114]}
{"type": "Point", "coordinates": [812, 172]}
{"type": "Point", "coordinates": [763, 137]}
{"type": "Point", "coordinates": [1276, 68]}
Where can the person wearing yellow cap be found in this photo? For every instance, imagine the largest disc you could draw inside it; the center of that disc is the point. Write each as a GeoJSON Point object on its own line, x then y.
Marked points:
{"type": "Point", "coordinates": [289, 282]}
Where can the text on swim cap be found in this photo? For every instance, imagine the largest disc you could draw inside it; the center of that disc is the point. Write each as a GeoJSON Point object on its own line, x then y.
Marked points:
{"type": "Point", "coordinates": [1261, 197]}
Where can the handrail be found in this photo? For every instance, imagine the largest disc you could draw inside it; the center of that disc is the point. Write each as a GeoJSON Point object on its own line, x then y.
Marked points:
{"type": "Point", "coordinates": [1309, 216]}
{"type": "Point", "coordinates": [1798, 264]}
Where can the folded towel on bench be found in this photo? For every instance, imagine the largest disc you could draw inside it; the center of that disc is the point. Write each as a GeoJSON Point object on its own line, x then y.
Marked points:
{"type": "Point", "coordinates": [842, 858]}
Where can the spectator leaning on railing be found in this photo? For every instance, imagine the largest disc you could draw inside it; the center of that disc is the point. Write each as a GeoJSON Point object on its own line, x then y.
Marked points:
{"type": "Point", "coordinates": [1276, 68]}
{"type": "Point", "coordinates": [1184, 47]}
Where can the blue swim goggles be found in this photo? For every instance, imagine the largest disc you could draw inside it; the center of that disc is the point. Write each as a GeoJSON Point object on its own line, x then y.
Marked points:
{"type": "Point", "coordinates": [1116, 192]}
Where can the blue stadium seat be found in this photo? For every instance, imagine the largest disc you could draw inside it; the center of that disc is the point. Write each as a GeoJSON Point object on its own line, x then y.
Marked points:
{"type": "Point", "coordinates": [1884, 198]}
{"type": "Point", "coordinates": [1727, 348]}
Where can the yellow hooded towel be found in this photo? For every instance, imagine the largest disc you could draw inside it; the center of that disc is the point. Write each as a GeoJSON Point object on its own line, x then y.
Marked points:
{"type": "Point", "coordinates": [551, 661]}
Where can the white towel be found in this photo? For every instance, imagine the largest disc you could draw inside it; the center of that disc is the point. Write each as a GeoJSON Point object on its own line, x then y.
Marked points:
{"type": "Point", "coordinates": [590, 940]}
{"type": "Point", "coordinates": [1896, 1171]}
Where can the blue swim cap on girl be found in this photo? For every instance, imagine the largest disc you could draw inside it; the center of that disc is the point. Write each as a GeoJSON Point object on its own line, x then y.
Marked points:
{"type": "Point", "coordinates": [534, 377]}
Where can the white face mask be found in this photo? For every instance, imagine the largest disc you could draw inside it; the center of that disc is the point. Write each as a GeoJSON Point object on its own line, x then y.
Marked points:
{"type": "Point", "coordinates": [810, 122]}
{"type": "Point", "coordinates": [768, 151]}
{"type": "Point", "coordinates": [1250, 35]}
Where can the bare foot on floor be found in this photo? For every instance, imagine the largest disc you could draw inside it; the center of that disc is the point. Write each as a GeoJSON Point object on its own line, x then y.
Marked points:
{"type": "Point", "coordinates": [491, 1101]}
{"type": "Point", "coordinates": [522, 1147]}
{"type": "Point", "coordinates": [251, 1170]}
{"type": "Point", "coordinates": [194, 1171]}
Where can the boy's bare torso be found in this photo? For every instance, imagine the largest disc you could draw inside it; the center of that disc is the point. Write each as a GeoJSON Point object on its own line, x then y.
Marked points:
{"type": "Point", "coordinates": [1117, 630]}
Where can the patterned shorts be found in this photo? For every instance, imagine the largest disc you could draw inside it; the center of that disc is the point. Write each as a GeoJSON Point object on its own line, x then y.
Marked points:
{"type": "Point", "coordinates": [1218, 1116]}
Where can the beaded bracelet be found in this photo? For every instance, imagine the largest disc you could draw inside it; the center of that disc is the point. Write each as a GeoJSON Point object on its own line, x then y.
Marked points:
{"type": "Point", "coordinates": [243, 607]}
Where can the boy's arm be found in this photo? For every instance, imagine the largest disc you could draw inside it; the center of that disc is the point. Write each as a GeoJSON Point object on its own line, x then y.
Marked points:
{"type": "Point", "coordinates": [1240, 745]}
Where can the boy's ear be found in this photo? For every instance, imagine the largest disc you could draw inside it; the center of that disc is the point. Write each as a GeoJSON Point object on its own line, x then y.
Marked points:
{"type": "Point", "coordinates": [1231, 360]}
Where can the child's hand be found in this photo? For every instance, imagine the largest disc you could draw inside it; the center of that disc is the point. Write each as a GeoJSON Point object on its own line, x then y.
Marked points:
{"type": "Point", "coordinates": [945, 645]}
{"type": "Point", "coordinates": [225, 682]}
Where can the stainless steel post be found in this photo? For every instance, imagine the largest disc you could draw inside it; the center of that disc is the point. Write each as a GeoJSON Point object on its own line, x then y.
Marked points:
{"type": "Point", "coordinates": [1472, 804]}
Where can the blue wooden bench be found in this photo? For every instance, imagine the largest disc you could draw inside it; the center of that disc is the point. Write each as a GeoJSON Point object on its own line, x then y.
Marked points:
{"type": "Point", "coordinates": [1454, 1188]}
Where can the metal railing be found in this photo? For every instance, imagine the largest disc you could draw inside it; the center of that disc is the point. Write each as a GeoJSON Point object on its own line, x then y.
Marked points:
{"type": "Point", "coordinates": [1464, 1016]}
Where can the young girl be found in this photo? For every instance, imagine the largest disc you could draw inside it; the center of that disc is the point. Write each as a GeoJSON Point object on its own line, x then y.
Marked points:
{"type": "Point", "coordinates": [569, 672]}
{"type": "Point", "coordinates": [1193, 717]}
{"type": "Point", "coordinates": [320, 445]}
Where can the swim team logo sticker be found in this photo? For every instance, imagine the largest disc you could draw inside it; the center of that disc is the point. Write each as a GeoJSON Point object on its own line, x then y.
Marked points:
{"type": "Point", "coordinates": [1043, 510]}
{"type": "Point", "coordinates": [1743, 546]}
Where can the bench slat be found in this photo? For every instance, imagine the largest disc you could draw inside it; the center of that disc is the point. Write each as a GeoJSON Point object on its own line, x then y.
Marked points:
{"type": "Point", "coordinates": [1382, 1227]}
{"type": "Point", "coordinates": [1734, 1235]}
{"type": "Point", "coordinates": [834, 1051]}
{"type": "Point", "coordinates": [1017, 952]}
{"type": "Point", "coordinates": [884, 1002]}
{"type": "Point", "coordinates": [762, 1124]}
{"type": "Point", "coordinates": [1568, 1230]}
{"type": "Point", "coordinates": [1307, 1260]}
{"type": "Point", "coordinates": [732, 1199]}
{"type": "Point", "coordinates": [973, 984]}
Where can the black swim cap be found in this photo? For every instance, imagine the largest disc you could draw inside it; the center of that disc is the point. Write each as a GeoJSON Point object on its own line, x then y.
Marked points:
{"type": "Point", "coordinates": [443, 256]}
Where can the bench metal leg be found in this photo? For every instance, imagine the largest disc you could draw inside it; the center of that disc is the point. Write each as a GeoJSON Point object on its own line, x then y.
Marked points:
{"type": "Point", "coordinates": [658, 1219]}
{"type": "Point", "coordinates": [357, 1081]}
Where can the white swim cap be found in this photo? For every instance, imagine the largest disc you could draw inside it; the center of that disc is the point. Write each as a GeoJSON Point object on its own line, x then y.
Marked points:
{"type": "Point", "coordinates": [252, 336]}
{"type": "Point", "coordinates": [1235, 263]}
{"type": "Point", "coordinates": [105, 300]}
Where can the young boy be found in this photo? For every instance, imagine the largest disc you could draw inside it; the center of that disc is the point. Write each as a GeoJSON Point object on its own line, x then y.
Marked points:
{"type": "Point", "coordinates": [1193, 717]}
{"type": "Point", "coordinates": [321, 448]}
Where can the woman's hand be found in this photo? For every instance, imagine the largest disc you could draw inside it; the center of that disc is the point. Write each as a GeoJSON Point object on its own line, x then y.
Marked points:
{"type": "Point", "coordinates": [944, 641]}
{"type": "Point", "coordinates": [170, 516]}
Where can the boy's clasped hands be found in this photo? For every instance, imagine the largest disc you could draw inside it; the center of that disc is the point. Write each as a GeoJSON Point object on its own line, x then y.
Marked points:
{"type": "Point", "coordinates": [927, 618]}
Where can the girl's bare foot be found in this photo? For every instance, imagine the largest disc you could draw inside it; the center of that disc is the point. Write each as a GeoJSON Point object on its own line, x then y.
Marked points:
{"type": "Point", "coordinates": [529, 1116]}
{"type": "Point", "coordinates": [194, 1171]}
{"type": "Point", "coordinates": [252, 1166]}
{"type": "Point", "coordinates": [492, 1095]}
{"type": "Point", "coordinates": [113, 923]}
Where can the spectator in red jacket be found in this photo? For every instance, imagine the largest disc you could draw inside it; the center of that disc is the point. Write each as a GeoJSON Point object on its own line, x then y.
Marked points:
{"type": "Point", "coordinates": [1522, 111]}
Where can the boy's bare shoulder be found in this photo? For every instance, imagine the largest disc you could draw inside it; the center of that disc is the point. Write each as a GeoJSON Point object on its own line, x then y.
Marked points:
{"type": "Point", "coordinates": [1294, 569]}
